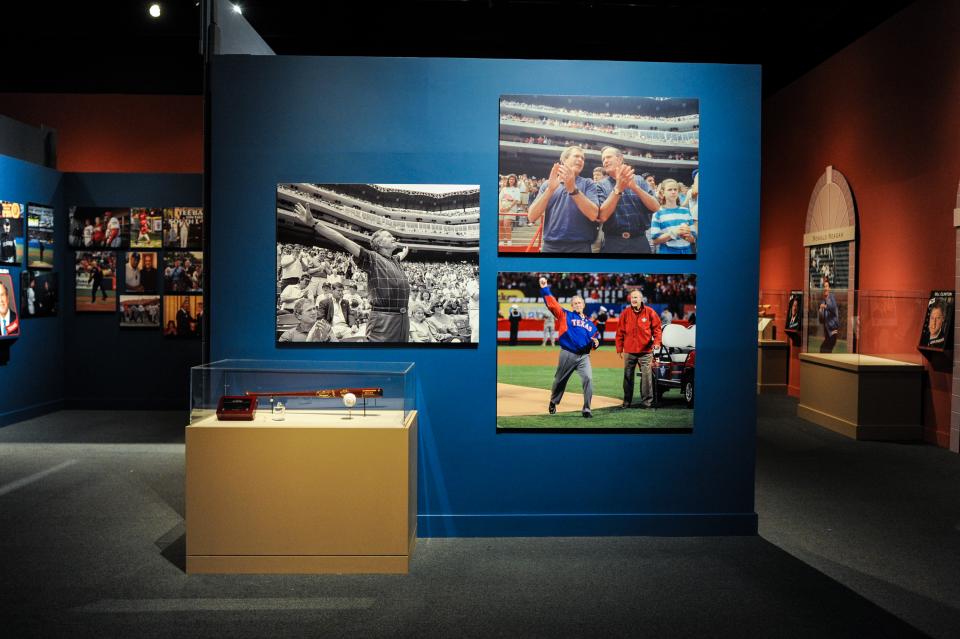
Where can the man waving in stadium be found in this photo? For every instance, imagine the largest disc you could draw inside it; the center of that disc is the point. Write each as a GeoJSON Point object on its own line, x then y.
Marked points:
{"type": "Point", "coordinates": [578, 336]}
{"type": "Point", "coordinates": [387, 284]}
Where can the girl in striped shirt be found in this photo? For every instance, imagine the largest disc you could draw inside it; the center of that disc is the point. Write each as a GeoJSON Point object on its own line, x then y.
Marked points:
{"type": "Point", "coordinates": [672, 228]}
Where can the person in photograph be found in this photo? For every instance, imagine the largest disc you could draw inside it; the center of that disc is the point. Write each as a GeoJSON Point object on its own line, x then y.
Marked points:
{"type": "Point", "coordinates": [337, 313]}
{"type": "Point", "coordinates": [549, 324]}
{"type": "Point", "coordinates": [171, 232]}
{"type": "Point", "coordinates": [638, 337]}
{"type": "Point", "coordinates": [509, 207]}
{"type": "Point", "coordinates": [148, 273]}
{"type": "Point", "coordinates": [96, 281]}
{"type": "Point", "coordinates": [113, 238]}
{"type": "Point", "coordinates": [290, 294]}
{"type": "Point", "coordinates": [578, 337]}
{"type": "Point", "coordinates": [597, 174]}
{"type": "Point", "coordinates": [420, 330]}
{"type": "Point", "coordinates": [144, 236]}
{"type": "Point", "coordinates": [514, 316]}
{"type": "Point", "coordinates": [171, 329]}
{"type": "Point", "coordinates": [445, 329]}
{"type": "Point", "coordinates": [310, 327]}
{"type": "Point", "coordinates": [387, 285]}
{"type": "Point", "coordinates": [651, 181]}
{"type": "Point", "coordinates": [8, 243]}
{"type": "Point", "coordinates": [602, 318]}
{"type": "Point", "coordinates": [569, 205]}
{"type": "Point", "coordinates": [47, 298]}
{"type": "Point", "coordinates": [98, 235]}
{"type": "Point", "coordinates": [9, 325]}
{"type": "Point", "coordinates": [184, 230]}
{"type": "Point", "coordinates": [829, 315]}
{"type": "Point", "coordinates": [184, 320]}
{"type": "Point", "coordinates": [87, 233]}
{"type": "Point", "coordinates": [132, 273]}
{"type": "Point", "coordinates": [936, 337]}
{"type": "Point", "coordinates": [793, 315]}
{"type": "Point", "coordinates": [671, 228]}
{"type": "Point", "coordinates": [31, 297]}
{"type": "Point", "coordinates": [627, 203]}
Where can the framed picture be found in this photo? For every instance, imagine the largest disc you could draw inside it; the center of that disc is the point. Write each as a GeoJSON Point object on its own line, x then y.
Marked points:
{"type": "Point", "coordinates": [146, 228]}
{"type": "Point", "coordinates": [139, 311]}
{"type": "Point", "coordinates": [794, 322]}
{"type": "Point", "coordinates": [599, 176]}
{"type": "Point", "coordinates": [566, 342]}
{"type": "Point", "coordinates": [183, 227]}
{"type": "Point", "coordinates": [11, 233]}
{"type": "Point", "coordinates": [140, 274]}
{"type": "Point", "coordinates": [831, 304]}
{"type": "Point", "coordinates": [9, 319]}
{"type": "Point", "coordinates": [381, 264]}
{"type": "Point", "coordinates": [937, 331]}
{"type": "Point", "coordinates": [182, 316]}
{"type": "Point", "coordinates": [39, 294]}
{"type": "Point", "coordinates": [94, 227]}
{"type": "Point", "coordinates": [182, 272]}
{"type": "Point", "coordinates": [95, 281]}
{"type": "Point", "coordinates": [40, 237]}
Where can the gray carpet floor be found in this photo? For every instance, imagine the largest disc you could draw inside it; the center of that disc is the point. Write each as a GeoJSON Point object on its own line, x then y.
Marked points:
{"type": "Point", "coordinates": [857, 539]}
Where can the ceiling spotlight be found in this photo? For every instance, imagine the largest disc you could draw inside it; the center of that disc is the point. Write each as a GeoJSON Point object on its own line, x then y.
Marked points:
{"type": "Point", "coordinates": [155, 10]}
{"type": "Point", "coordinates": [237, 9]}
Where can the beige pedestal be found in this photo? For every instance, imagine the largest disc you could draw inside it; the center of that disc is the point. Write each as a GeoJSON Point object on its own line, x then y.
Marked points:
{"type": "Point", "coordinates": [773, 357]}
{"type": "Point", "coordinates": [308, 495]}
{"type": "Point", "coordinates": [861, 396]}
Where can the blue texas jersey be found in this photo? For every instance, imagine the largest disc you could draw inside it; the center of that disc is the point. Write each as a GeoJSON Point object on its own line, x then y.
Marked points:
{"type": "Point", "coordinates": [575, 331]}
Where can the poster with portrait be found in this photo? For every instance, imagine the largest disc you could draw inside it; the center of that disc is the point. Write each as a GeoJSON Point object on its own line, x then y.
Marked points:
{"type": "Point", "coordinates": [182, 272]}
{"type": "Point", "coordinates": [97, 227]}
{"type": "Point", "coordinates": [937, 331]}
{"type": "Point", "coordinates": [9, 318]}
{"type": "Point", "coordinates": [11, 233]}
{"type": "Point", "coordinates": [139, 311]}
{"type": "Point", "coordinates": [794, 320]}
{"type": "Point", "coordinates": [599, 176]}
{"type": "Point", "coordinates": [183, 227]}
{"type": "Point", "coordinates": [384, 264]}
{"type": "Point", "coordinates": [182, 316]}
{"type": "Point", "coordinates": [40, 239]}
{"type": "Point", "coordinates": [140, 273]}
{"type": "Point", "coordinates": [146, 228]}
{"type": "Point", "coordinates": [39, 294]}
{"type": "Point", "coordinates": [95, 277]}
{"type": "Point", "coordinates": [831, 299]}
{"type": "Point", "coordinates": [653, 314]}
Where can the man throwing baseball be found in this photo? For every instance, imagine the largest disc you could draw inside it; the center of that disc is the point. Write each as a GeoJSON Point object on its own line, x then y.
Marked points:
{"type": "Point", "coordinates": [577, 337]}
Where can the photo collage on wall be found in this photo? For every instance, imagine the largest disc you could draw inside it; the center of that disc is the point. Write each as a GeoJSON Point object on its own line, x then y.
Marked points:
{"type": "Point", "coordinates": [385, 264]}
{"type": "Point", "coordinates": [129, 262]}
{"type": "Point", "coordinates": [27, 243]}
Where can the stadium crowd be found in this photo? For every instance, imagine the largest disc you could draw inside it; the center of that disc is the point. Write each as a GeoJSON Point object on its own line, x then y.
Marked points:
{"type": "Point", "coordinates": [600, 114]}
{"type": "Point", "coordinates": [606, 288]}
{"type": "Point", "coordinates": [633, 133]}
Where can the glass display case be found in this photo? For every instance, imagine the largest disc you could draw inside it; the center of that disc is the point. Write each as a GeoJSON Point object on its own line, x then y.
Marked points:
{"type": "Point", "coordinates": [302, 393]}
{"type": "Point", "coordinates": [772, 314]}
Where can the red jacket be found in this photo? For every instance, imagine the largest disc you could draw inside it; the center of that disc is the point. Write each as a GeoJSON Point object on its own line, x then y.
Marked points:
{"type": "Point", "coordinates": [638, 332]}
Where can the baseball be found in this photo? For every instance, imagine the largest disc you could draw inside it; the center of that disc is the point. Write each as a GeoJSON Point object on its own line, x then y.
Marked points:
{"type": "Point", "coordinates": [349, 400]}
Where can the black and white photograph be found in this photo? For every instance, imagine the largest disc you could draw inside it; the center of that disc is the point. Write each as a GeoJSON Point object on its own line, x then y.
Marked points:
{"type": "Point", "coordinates": [183, 227]}
{"type": "Point", "coordinates": [599, 176]}
{"type": "Point", "coordinates": [937, 332]}
{"type": "Point", "coordinates": [182, 272]}
{"type": "Point", "coordinates": [39, 236]}
{"type": "Point", "coordinates": [140, 273]}
{"type": "Point", "coordinates": [99, 227]}
{"type": "Point", "coordinates": [39, 294]}
{"type": "Point", "coordinates": [11, 232]}
{"type": "Point", "coordinates": [140, 311]}
{"type": "Point", "coordinates": [387, 264]}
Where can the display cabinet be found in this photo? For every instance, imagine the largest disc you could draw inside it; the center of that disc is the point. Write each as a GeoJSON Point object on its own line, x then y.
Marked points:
{"type": "Point", "coordinates": [301, 467]}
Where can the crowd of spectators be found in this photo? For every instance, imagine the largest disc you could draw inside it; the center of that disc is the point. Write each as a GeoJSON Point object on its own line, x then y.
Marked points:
{"type": "Point", "coordinates": [652, 136]}
{"type": "Point", "coordinates": [600, 114]}
{"type": "Point", "coordinates": [606, 288]}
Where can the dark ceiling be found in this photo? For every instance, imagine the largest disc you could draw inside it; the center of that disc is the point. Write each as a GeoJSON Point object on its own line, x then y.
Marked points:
{"type": "Point", "coordinates": [115, 47]}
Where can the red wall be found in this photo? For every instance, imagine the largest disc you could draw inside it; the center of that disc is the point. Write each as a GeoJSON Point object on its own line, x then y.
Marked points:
{"type": "Point", "coordinates": [117, 133]}
{"type": "Point", "coordinates": [883, 112]}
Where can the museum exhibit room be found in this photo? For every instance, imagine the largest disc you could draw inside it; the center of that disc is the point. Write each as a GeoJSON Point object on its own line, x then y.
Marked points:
{"type": "Point", "coordinates": [399, 320]}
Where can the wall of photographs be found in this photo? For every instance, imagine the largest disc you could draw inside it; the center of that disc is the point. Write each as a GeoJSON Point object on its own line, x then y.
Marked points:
{"type": "Point", "coordinates": [375, 122]}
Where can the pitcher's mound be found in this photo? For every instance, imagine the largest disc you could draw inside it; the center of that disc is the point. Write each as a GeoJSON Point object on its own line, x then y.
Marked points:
{"type": "Point", "coordinates": [522, 400]}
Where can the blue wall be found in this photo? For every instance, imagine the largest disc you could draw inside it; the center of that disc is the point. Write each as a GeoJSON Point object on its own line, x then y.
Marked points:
{"type": "Point", "coordinates": [289, 119]}
{"type": "Point", "coordinates": [31, 383]}
{"type": "Point", "coordinates": [106, 366]}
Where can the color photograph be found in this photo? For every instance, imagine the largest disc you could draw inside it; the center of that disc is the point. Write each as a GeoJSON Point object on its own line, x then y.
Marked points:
{"type": "Point", "coordinates": [11, 233]}
{"type": "Point", "coordinates": [146, 228]}
{"type": "Point", "coordinates": [140, 311]}
{"type": "Point", "coordinates": [39, 236]}
{"type": "Point", "coordinates": [599, 176]}
{"type": "Point", "coordinates": [99, 227]}
{"type": "Point", "coordinates": [831, 299]}
{"type": "Point", "coordinates": [9, 319]}
{"type": "Point", "coordinates": [182, 316]}
{"type": "Point", "coordinates": [596, 351]}
{"type": "Point", "coordinates": [140, 274]}
{"type": "Point", "coordinates": [39, 294]}
{"type": "Point", "coordinates": [182, 272]}
{"type": "Point", "coordinates": [378, 264]}
{"type": "Point", "coordinates": [794, 321]}
{"type": "Point", "coordinates": [183, 227]}
{"type": "Point", "coordinates": [96, 281]}
{"type": "Point", "coordinates": [937, 332]}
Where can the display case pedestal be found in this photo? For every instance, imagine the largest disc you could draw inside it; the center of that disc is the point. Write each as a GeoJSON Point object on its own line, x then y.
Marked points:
{"type": "Point", "coordinates": [322, 494]}
{"type": "Point", "coordinates": [773, 357]}
{"type": "Point", "coordinates": [861, 396]}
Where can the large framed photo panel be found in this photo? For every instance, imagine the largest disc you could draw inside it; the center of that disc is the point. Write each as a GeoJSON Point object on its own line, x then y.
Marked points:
{"type": "Point", "coordinates": [937, 331]}
{"type": "Point", "coordinates": [11, 233]}
{"type": "Point", "coordinates": [596, 352]}
{"type": "Point", "coordinates": [599, 176]}
{"type": "Point", "coordinates": [96, 281]}
{"type": "Point", "coordinates": [40, 239]}
{"type": "Point", "coordinates": [9, 318]}
{"type": "Point", "coordinates": [382, 264]}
